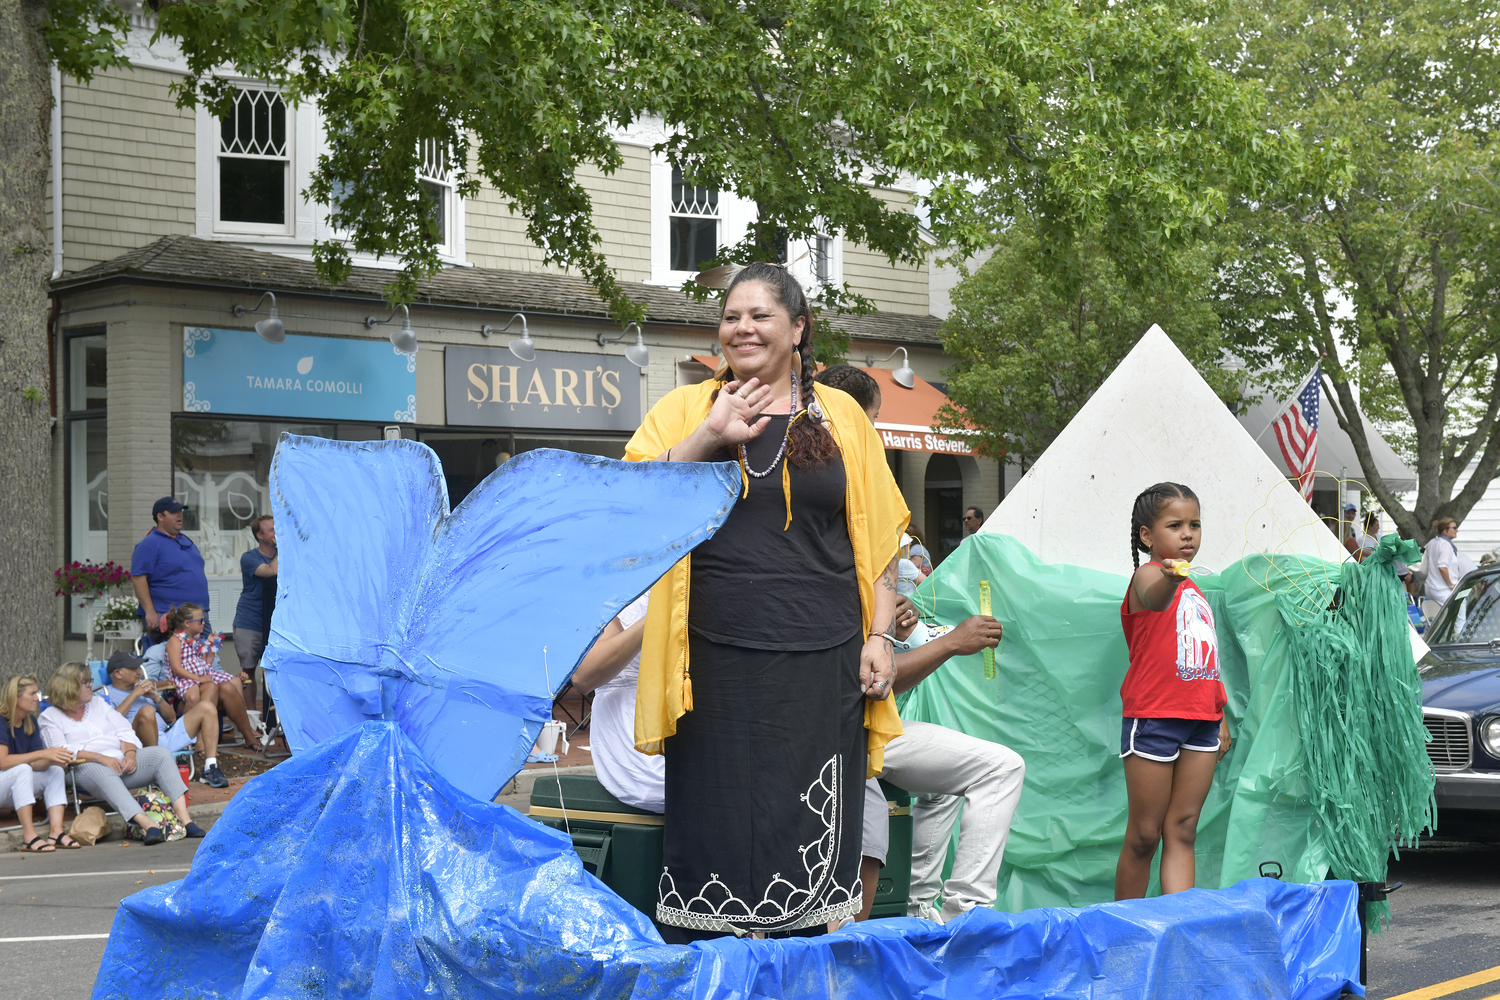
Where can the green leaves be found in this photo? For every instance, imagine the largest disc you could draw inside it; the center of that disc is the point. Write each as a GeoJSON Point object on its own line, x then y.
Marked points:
{"type": "Point", "coordinates": [1382, 259]}
{"type": "Point", "coordinates": [1038, 327]}
{"type": "Point", "coordinates": [1097, 116]}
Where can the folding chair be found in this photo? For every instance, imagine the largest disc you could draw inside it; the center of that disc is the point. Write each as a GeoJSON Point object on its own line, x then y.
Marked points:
{"type": "Point", "coordinates": [585, 709]}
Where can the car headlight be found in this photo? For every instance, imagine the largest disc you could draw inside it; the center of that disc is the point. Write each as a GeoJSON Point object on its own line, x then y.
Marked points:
{"type": "Point", "coordinates": [1489, 733]}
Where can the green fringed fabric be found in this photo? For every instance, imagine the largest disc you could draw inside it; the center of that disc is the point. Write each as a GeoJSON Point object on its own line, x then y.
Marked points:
{"type": "Point", "coordinates": [1358, 701]}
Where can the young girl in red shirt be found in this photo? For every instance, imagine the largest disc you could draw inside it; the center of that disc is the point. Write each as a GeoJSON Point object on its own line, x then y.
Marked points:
{"type": "Point", "coordinates": [1174, 727]}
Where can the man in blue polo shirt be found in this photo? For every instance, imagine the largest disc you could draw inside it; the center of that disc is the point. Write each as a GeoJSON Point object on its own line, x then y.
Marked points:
{"type": "Point", "coordinates": [166, 568]}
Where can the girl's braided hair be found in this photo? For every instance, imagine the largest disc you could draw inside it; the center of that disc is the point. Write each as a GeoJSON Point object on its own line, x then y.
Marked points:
{"type": "Point", "coordinates": [810, 444]}
{"type": "Point", "coordinates": [1147, 506]}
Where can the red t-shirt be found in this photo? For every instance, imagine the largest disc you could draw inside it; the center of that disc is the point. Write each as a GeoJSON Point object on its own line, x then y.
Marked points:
{"type": "Point", "coordinates": [1174, 659]}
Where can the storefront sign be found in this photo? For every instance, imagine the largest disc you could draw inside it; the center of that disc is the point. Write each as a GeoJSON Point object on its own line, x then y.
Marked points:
{"type": "Point", "coordinates": [490, 387]}
{"type": "Point", "coordinates": [325, 378]}
{"type": "Point", "coordinates": [916, 439]}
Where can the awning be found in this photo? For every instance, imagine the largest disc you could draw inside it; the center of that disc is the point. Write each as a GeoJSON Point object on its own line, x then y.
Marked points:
{"type": "Point", "coordinates": [906, 415]}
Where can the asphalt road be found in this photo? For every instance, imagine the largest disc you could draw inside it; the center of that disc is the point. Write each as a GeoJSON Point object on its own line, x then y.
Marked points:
{"type": "Point", "coordinates": [1443, 936]}
{"type": "Point", "coordinates": [72, 893]}
{"type": "Point", "coordinates": [1445, 925]}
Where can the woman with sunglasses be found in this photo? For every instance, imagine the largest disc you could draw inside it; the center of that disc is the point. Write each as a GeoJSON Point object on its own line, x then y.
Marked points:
{"type": "Point", "coordinates": [766, 664]}
{"type": "Point", "coordinates": [107, 756]}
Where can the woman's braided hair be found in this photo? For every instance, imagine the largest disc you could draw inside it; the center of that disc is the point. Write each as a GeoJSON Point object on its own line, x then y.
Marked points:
{"type": "Point", "coordinates": [1147, 506]}
{"type": "Point", "coordinates": [810, 443]}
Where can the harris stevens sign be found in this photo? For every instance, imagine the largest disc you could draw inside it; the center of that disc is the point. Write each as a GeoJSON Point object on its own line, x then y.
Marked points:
{"type": "Point", "coordinates": [325, 378]}
{"type": "Point", "coordinates": [489, 387]}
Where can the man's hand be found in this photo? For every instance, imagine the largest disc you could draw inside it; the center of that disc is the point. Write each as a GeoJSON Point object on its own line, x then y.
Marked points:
{"type": "Point", "coordinates": [906, 618]}
{"type": "Point", "coordinates": [145, 686]}
{"type": "Point", "coordinates": [975, 633]}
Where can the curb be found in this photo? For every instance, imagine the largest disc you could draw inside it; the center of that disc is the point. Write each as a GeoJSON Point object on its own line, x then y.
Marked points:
{"type": "Point", "coordinates": [10, 840]}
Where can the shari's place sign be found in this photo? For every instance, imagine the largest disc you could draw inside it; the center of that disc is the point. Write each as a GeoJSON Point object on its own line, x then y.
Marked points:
{"type": "Point", "coordinates": [490, 387]}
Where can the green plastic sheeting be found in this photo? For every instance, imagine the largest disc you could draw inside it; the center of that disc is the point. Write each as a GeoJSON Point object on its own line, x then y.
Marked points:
{"type": "Point", "coordinates": [1056, 701]}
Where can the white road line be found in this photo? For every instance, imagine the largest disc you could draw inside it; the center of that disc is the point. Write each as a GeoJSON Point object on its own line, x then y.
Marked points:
{"type": "Point", "coordinates": [143, 871]}
{"type": "Point", "coordinates": [56, 937]}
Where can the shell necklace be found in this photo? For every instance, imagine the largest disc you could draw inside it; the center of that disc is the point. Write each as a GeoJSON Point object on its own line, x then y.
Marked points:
{"type": "Point", "coordinates": [785, 437]}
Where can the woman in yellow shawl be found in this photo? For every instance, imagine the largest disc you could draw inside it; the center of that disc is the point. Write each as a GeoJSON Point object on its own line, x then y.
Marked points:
{"type": "Point", "coordinates": [766, 674]}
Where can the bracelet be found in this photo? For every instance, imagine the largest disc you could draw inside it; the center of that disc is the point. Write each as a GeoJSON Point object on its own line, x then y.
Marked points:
{"type": "Point", "coordinates": [881, 635]}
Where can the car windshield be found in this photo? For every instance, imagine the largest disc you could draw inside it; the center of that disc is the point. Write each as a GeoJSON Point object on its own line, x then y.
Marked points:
{"type": "Point", "coordinates": [1472, 614]}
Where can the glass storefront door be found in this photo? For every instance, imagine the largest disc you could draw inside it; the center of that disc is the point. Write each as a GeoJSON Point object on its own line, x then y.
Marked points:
{"type": "Point", "coordinates": [469, 456]}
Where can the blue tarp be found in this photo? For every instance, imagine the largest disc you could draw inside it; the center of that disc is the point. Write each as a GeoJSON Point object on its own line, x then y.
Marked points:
{"type": "Point", "coordinates": [461, 627]}
{"type": "Point", "coordinates": [356, 870]}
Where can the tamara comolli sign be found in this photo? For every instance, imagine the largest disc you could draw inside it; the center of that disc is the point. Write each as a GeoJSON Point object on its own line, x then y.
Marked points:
{"type": "Point", "coordinates": [329, 378]}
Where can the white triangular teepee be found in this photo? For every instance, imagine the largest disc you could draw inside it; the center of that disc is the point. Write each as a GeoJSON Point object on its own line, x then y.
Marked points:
{"type": "Point", "coordinates": [1156, 419]}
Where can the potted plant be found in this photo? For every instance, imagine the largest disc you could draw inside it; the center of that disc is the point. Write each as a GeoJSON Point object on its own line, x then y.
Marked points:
{"type": "Point", "coordinates": [86, 582]}
{"type": "Point", "coordinates": [117, 618]}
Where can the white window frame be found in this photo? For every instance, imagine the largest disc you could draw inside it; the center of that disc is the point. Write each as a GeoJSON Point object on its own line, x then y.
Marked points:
{"type": "Point", "coordinates": [735, 216]}
{"type": "Point", "coordinates": [306, 221]}
{"type": "Point", "coordinates": [452, 204]}
{"type": "Point", "coordinates": [298, 147]}
{"type": "Point", "coordinates": [801, 255]}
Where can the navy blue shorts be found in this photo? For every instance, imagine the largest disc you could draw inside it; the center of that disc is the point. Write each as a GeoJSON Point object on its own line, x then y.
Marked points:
{"type": "Point", "coordinates": [1163, 739]}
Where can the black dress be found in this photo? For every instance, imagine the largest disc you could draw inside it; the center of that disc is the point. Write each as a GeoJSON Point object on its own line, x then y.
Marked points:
{"type": "Point", "coordinates": [765, 777]}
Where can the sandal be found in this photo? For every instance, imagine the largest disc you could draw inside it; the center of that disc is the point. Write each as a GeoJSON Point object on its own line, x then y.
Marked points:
{"type": "Point", "coordinates": [72, 844]}
{"type": "Point", "coordinates": [47, 845]}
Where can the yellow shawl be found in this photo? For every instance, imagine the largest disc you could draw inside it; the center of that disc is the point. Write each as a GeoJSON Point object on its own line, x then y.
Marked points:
{"type": "Point", "coordinates": [877, 516]}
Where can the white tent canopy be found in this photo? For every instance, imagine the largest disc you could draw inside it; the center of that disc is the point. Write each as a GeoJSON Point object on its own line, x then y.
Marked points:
{"type": "Point", "coordinates": [1336, 454]}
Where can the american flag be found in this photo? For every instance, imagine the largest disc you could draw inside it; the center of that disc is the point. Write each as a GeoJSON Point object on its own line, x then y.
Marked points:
{"type": "Point", "coordinates": [1297, 431]}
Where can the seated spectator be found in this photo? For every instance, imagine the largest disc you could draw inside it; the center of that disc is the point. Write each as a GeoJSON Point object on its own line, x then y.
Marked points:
{"type": "Point", "coordinates": [136, 698]}
{"type": "Point", "coordinates": [920, 557]}
{"type": "Point", "coordinates": [610, 670]}
{"type": "Point", "coordinates": [28, 764]}
{"type": "Point", "coordinates": [952, 774]}
{"type": "Point", "coordinates": [908, 576]}
{"type": "Point", "coordinates": [154, 663]}
{"type": "Point", "coordinates": [190, 658]}
{"type": "Point", "coordinates": [109, 760]}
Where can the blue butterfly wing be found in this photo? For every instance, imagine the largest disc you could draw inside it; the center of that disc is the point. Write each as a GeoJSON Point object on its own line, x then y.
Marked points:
{"type": "Point", "coordinates": [461, 627]}
{"type": "Point", "coordinates": [354, 522]}
{"type": "Point", "coordinates": [524, 575]}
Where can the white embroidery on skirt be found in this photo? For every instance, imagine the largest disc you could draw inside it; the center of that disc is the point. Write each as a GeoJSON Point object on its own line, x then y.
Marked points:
{"type": "Point", "coordinates": [795, 909]}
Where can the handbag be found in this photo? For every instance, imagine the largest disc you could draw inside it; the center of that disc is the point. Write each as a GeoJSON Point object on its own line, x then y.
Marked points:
{"type": "Point", "coordinates": [155, 804]}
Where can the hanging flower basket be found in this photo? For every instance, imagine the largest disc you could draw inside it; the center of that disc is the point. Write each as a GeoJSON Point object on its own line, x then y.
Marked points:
{"type": "Point", "coordinates": [87, 581]}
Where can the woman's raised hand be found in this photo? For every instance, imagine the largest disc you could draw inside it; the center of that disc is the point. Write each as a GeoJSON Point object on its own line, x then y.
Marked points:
{"type": "Point", "coordinates": [737, 415]}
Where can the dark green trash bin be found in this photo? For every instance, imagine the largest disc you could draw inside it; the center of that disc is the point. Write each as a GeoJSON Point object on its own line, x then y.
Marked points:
{"type": "Point", "coordinates": [621, 845]}
{"type": "Point", "coordinates": [618, 843]}
{"type": "Point", "coordinates": [894, 887]}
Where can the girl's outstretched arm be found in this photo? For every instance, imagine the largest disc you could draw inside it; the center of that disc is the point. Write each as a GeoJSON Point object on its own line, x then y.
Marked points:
{"type": "Point", "coordinates": [1153, 586]}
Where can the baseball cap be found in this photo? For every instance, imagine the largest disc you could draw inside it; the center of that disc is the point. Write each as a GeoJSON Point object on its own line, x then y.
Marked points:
{"type": "Point", "coordinates": [121, 660]}
{"type": "Point", "coordinates": [166, 504]}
